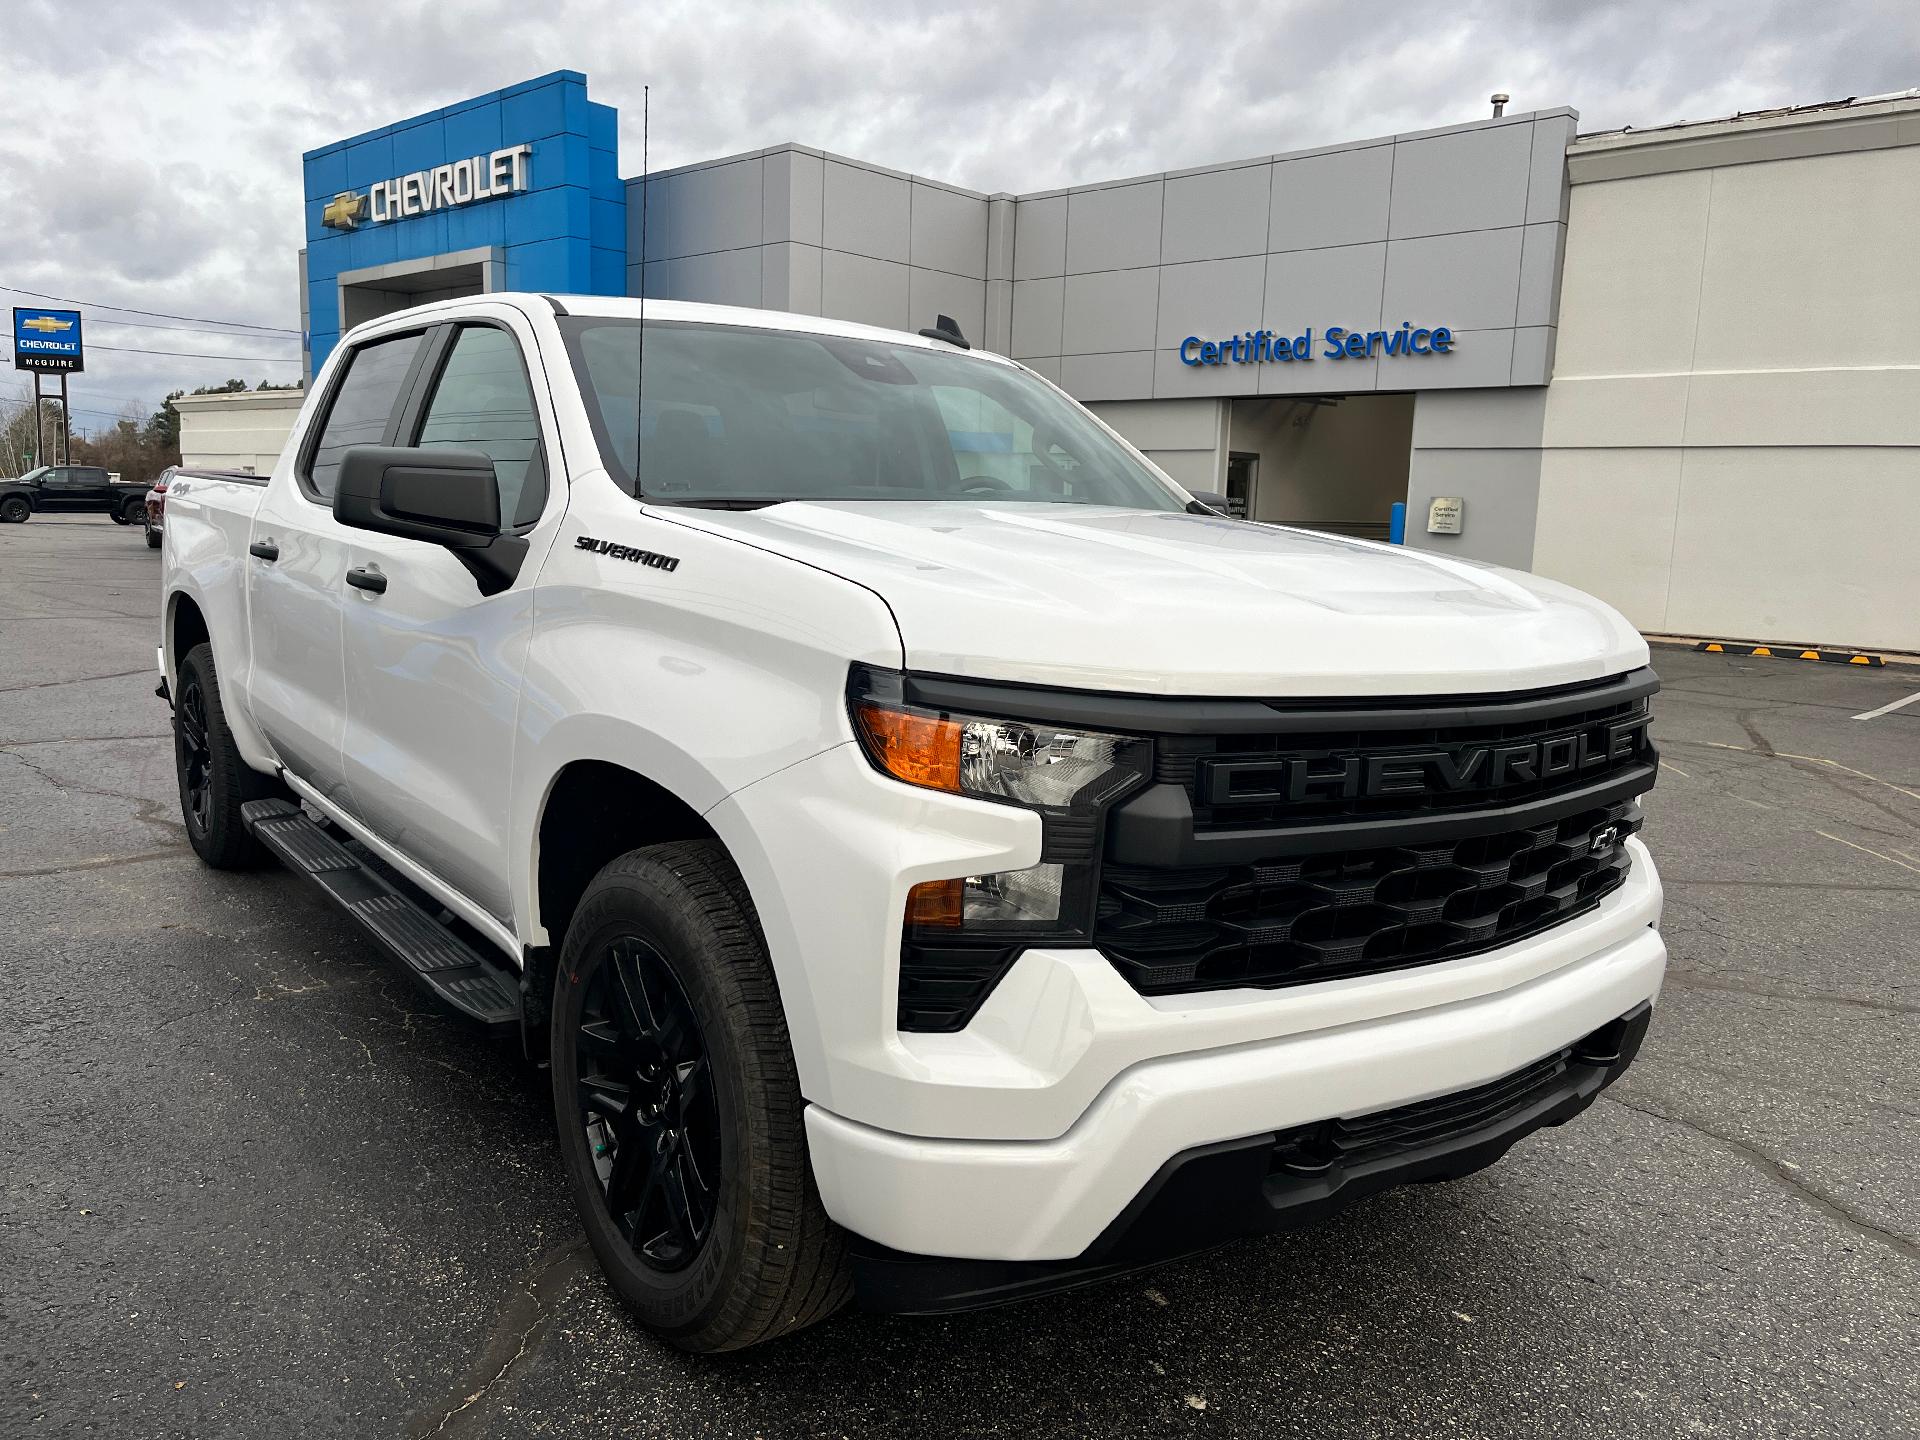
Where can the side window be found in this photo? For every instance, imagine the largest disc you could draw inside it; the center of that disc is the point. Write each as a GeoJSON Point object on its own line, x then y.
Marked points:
{"type": "Point", "coordinates": [483, 402]}
{"type": "Point", "coordinates": [362, 405]}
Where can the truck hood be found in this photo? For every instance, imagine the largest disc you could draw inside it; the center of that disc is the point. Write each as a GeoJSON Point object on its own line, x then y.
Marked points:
{"type": "Point", "coordinates": [1158, 603]}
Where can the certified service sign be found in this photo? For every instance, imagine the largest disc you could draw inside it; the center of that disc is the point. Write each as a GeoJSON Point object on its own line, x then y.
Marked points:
{"type": "Point", "coordinates": [47, 340]}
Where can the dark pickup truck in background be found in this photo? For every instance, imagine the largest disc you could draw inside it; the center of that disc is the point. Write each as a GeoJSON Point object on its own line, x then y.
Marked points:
{"type": "Point", "coordinates": [71, 489]}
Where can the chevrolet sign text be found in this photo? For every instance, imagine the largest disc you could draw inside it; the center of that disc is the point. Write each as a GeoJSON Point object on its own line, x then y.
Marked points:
{"type": "Point", "coordinates": [504, 172]}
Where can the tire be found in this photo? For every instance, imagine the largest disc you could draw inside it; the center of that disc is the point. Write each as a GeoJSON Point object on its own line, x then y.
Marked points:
{"type": "Point", "coordinates": [15, 509]}
{"type": "Point", "coordinates": [134, 512]}
{"type": "Point", "coordinates": [153, 539]}
{"type": "Point", "coordinates": [675, 921]}
{"type": "Point", "coordinates": [120, 516]}
{"type": "Point", "coordinates": [214, 781]}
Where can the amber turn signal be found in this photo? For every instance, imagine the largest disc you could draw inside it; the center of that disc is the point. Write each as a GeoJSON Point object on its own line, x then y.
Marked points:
{"type": "Point", "coordinates": [937, 903]}
{"type": "Point", "coordinates": [919, 749]}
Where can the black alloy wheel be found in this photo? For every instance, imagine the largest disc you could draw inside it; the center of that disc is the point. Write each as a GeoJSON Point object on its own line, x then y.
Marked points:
{"type": "Point", "coordinates": [647, 1102]}
{"type": "Point", "coordinates": [193, 752]}
{"type": "Point", "coordinates": [678, 1108]}
{"type": "Point", "coordinates": [14, 510]}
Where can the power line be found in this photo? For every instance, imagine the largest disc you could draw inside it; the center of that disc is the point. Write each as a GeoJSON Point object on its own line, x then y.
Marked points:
{"type": "Point", "coordinates": [157, 314]}
{"type": "Point", "coordinates": [198, 355]}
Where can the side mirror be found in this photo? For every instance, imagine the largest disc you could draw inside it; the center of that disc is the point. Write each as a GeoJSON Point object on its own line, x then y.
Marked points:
{"type": "Point", "coordinates": [1209, 501]}
{"type": "Point", "coordinates": [443, 497]}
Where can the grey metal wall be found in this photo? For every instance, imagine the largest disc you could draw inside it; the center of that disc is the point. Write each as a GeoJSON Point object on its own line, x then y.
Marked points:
{"type": "Point", "coordinates": [796, 229]}
{"type": "Point", "coordinates": [1462, 227]}
{"type": "Point", "coordinates": [1096, 286]}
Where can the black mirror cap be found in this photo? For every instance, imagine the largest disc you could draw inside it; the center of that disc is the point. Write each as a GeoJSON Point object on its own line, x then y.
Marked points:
{"type": "Point", "coordinates": [1210, 503]}
{"type": "Point", "coordinates": [449, 497]}
{"type": "Point", "coordinates": [444, 497]}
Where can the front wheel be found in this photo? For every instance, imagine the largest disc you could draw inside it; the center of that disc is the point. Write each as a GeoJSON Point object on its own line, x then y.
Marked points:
{"type": "Point", "coordinates": [214, 781]}
{"type": "Point", "coordinates": [678, 1109]}
{"type": "Point", "coordinates": [14, 510]}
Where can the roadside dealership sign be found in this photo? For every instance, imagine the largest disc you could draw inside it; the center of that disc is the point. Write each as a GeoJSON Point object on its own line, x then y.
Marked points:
{"type": "Point", "coordinates": [47, 340]}
{"type": "Point", "coordinates": [481, 177]}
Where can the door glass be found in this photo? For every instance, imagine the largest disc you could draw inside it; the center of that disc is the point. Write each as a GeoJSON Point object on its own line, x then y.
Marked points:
{"type": "Point", "coordinates": [361, 408]}
{"type": "Point", "coordinates": [483, 403]}
{"type": "Point", "coordinates": [1243, 472]}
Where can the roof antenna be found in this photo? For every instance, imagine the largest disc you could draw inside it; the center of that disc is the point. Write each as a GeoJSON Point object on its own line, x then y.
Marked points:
{"type": "Point", "coordinates": [640, 380]}
{"type": "Point", "coordinates": [943, 327]}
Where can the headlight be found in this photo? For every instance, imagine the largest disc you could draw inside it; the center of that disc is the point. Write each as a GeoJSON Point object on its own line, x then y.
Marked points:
{"type": "Point", "coordinates": [960, 934]}
{"type": "Point", "coordinates": [1048, 767]}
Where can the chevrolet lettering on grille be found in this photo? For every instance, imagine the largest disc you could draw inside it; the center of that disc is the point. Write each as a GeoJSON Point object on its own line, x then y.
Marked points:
{"type": "Point", "coordinates": [1457, 769]}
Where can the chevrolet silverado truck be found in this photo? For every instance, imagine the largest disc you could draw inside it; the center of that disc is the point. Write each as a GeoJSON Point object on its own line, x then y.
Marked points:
{"type": "Point", "coordinates": [71, 490]}
{"type": "Point", "coordinates": [938, 859]}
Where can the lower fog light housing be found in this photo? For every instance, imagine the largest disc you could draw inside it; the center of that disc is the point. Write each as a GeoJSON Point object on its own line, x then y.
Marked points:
{"type": "Point", "coordinates": [962, 935]}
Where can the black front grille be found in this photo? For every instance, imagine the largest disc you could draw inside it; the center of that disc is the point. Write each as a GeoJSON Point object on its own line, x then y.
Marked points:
{"type": "Point", "coordinates": [1241, 781]}
{"type": "Point", "coordinates": [1296, 920]}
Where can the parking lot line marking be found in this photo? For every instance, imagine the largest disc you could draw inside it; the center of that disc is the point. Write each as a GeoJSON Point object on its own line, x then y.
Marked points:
{"type": "Point", "coordinates": [1669, 765]}
{"type": "Point", "coordinates": [1875, 853]}
{"type": "Point", "coordinates": [1813, 760]}
{"type": "Point", "coordinates": [1889, 709]}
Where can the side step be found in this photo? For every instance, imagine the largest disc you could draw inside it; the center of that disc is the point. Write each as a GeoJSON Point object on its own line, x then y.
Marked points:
{"type": "Point", "coordinates": [460, 976]}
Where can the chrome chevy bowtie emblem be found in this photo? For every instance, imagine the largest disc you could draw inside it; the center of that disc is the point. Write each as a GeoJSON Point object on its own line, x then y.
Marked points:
{"type": "Point", "coordinates": [1604, 839]}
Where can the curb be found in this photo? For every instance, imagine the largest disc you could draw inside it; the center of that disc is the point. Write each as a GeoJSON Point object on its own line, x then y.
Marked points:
{"type": "Point", "coordinates": [1788, 652]}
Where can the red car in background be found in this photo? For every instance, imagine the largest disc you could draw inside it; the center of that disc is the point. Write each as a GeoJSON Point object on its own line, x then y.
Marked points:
{"type": "Point", "coordinates": [157, 506]}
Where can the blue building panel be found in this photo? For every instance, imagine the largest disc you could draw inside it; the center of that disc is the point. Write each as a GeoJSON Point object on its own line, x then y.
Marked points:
{"type": "Point", "coordinates": [609, 271]}
{"type": "Point", "coordinates": [609, 230]}
{"type": "Point", "coordinates": [423, 146]}
{"type": "Point", "coordinates": [473, 129]}
{"type": "Point", "coordinates": [561, 265]}
{"type": "Point", "coordinates": [326, 176]}
{"type": "Point", "coordinates": [603, 126]}
{"type": "Point", "coordinates": [369, 160]}
{"type": "Point", "coordinates": [565, 233]}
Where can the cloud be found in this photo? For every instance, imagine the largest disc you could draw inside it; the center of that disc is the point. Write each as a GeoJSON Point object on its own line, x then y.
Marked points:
{"type": "Point", "coordinates": [162, 166]}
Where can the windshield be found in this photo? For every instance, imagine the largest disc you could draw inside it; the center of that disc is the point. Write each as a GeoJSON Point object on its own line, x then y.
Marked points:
{"type": "Point", "coordinates": [37, 470]}
{"type": "Point", "coordinates": [738, 416]}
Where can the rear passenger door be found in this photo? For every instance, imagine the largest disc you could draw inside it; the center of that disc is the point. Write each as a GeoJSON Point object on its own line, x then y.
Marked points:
{"type": "Point", "coordinates": [297, 566]}
{"type": "Point", "coordinates": [433, 666]}
{"type": "Point", "coordinates": [63, 490]}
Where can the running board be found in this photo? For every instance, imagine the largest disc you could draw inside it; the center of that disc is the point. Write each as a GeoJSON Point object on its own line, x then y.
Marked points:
{"type": "Point", "coordinates": [450, 969]}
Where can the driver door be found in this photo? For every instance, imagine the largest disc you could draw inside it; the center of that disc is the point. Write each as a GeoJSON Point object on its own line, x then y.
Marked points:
{"type": "Point", "coordinates": [433, 667]}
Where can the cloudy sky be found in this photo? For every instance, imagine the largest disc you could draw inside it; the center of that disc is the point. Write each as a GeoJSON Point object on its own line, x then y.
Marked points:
{"type": "Point", "coordinates": [151, 154]}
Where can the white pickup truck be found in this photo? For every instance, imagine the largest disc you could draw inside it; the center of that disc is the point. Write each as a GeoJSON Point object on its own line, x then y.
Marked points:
{"type": "Point", "coordinates": [942, 860]}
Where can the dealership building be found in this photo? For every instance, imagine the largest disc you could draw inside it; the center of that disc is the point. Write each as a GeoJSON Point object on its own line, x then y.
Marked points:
{"type": "Point", "coordinates": [1679, 368]}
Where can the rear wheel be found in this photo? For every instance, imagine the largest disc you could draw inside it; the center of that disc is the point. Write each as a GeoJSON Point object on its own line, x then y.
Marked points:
{"type": "Point", "coordinates": [14, 510]}
{"type": "Point", "coordinates": [678, 1109]}
{"type": "Point", "coordinates": [153, 538]}
{"type": "Point", "coordinates": [214, 781]}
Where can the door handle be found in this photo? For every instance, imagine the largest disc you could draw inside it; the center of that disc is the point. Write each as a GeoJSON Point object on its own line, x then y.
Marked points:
{"type": "Point", "coordinates": [362, 578]}
{"type": "Point", "coordinates": [264, 550]}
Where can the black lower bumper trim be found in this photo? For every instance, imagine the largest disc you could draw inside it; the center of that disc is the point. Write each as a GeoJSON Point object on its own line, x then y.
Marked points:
{"type": "Point", "coordinates": [1283, 1180]}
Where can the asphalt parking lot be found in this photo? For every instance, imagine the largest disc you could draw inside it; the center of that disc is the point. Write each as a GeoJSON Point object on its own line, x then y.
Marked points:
{"type": "Point", "coordinates": [252, 1183]}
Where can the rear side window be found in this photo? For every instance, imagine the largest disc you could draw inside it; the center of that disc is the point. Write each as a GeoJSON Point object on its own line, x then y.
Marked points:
{"type": "Point", "coordinates": [362, 405]}
{"type": "Point", "coordinates": [483, 403]}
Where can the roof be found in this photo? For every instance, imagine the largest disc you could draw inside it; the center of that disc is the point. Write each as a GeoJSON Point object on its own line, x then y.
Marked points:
{"type": "Point", "coordinates": [1756, 117]}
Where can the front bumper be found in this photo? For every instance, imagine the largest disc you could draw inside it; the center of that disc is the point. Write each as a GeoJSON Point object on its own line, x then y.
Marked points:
{"type": "Point", "coordinates": [1054, 1199]}
{"type": "Point", "coordinates": [1212, 1194]}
